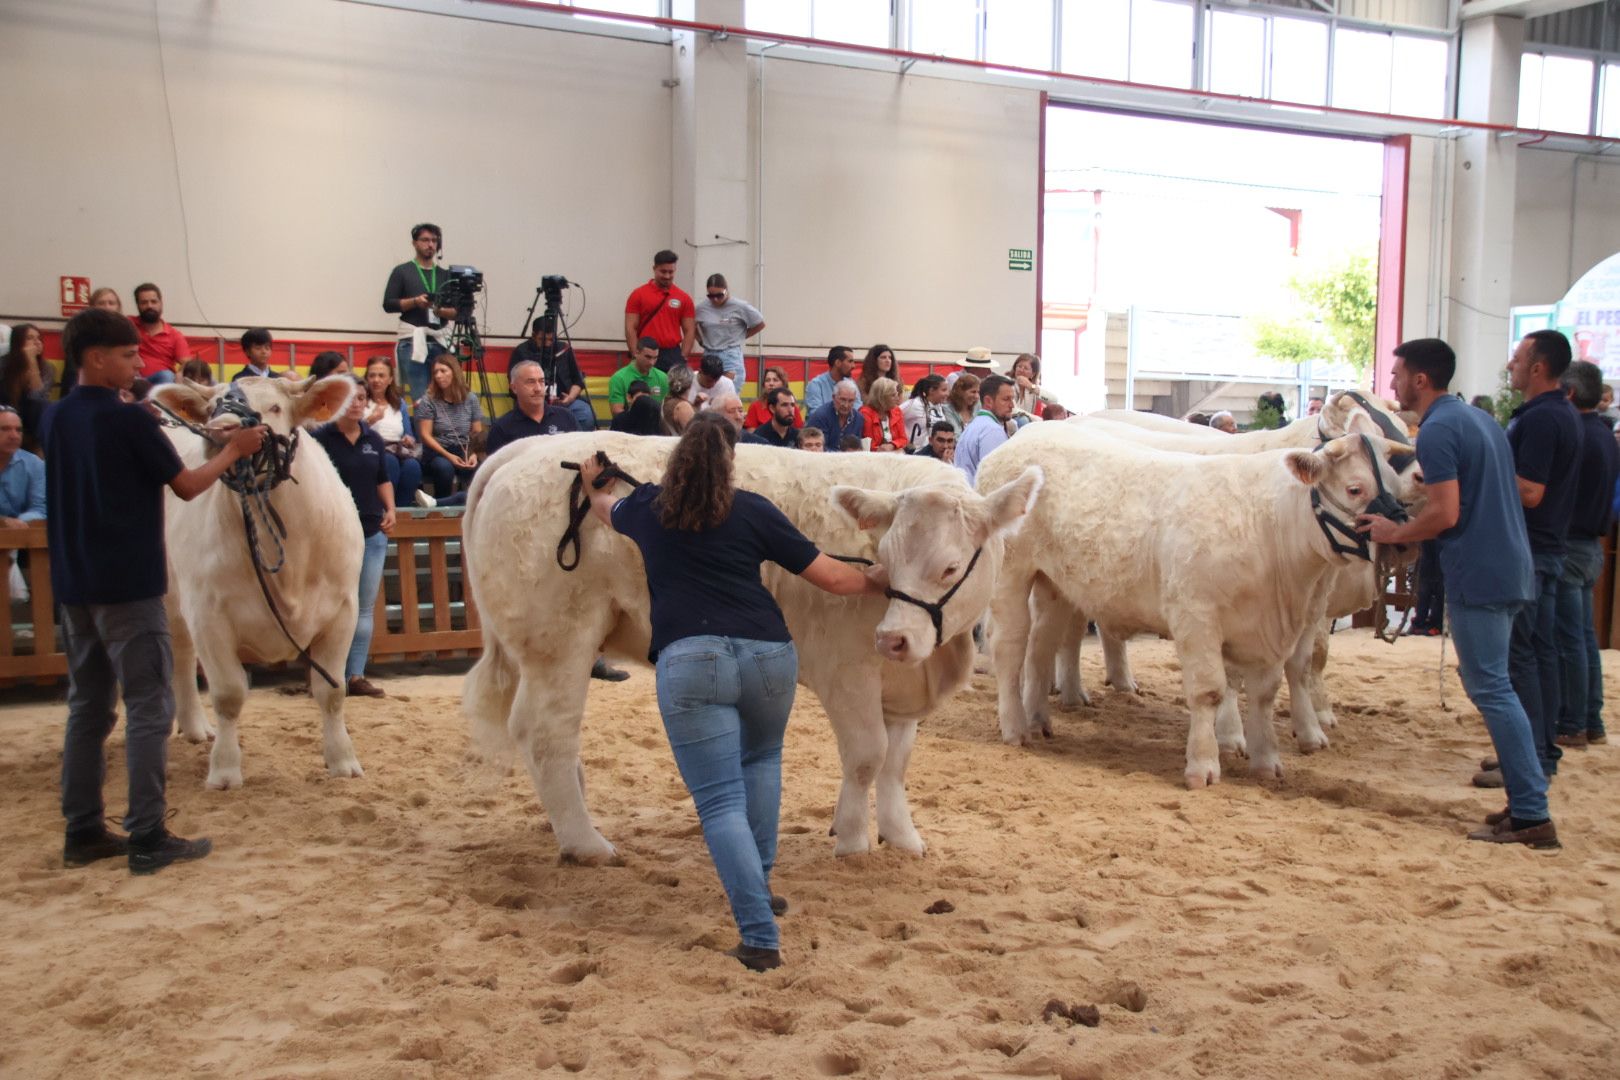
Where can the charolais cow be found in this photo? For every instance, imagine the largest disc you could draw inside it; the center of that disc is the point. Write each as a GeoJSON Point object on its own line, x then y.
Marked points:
{"type": "Point", "coordinates": [217, 611]}
{"type": "Point", "coordinates": [1310, 708]}
{"type": "Point", "coordinates": [877, 666]}
{"type": "Point", "coordinates": [1226, 554]}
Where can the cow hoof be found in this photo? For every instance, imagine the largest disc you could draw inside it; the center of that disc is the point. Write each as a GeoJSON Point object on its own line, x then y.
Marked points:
{"type": "Point", "coordinates": [1311, 742]}
{"type": "Point", "coordinates": [1125, 686]}
{"type": "Point", "coordinates": [199, 734]}
{"type": "Point", "coordinates": [1266, 770]}
{"type": "Point", "coordinates": [1326, 718]}
{"type": "Point", "coordinates": [345, 770]}
{"type": "Point", "coordinates": [600, 853]}
{"type": "Point", "coordinates": [225, 779]}
{"type": "Point", "coordinates": [1199, 776]}
{"type": "Point", "coordinates": [912, 845]}
{"type": "Point", "coordinates": [846, 847]}
{"type": "Point", "coordinates": [1240, 747]}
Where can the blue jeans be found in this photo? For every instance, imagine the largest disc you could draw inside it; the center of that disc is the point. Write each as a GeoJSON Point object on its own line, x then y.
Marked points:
{"type": "Point", "coordinates": [1581, 709]}
{"type": "Point", "coordinates": [416, 375]}
{"type": "Point", "coordinates": [725, 703]}
{"type": "Point", "coordinates": [441, 474]}
{"type": "Point", "coordinates": [733, 361]}
{"type": "Point", "coordinates": [1481, 634]}
{"type": "Point", "coordinates": [371, 570]}
{"type": "Point", "coordinates": [406, 476]}
{"type": "Point", "coordinates": [1533, 661]}
{"type": "Point", "coordinates": [583, 414]}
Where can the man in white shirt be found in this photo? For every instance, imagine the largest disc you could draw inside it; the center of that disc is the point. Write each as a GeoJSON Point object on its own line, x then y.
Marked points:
{"type": "Point", "coordinates": [710, 384]}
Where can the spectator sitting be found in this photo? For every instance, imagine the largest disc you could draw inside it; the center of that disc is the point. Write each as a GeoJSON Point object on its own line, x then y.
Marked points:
{"type": "Point", "coordinates": [882, 423]}
{"type": "Point", "coordinates": [257, 345]}
{"type": "Point", "coordinates": [1026, 377]}
{"type": "Point", "coordinates": [636, 389]}
{"type": "Point", "coordinates": [941, 443]}
{"type": "Point", "coordinates": [532, 415]}
{"type": "Point", "coordinates": [711, 383]}
{"type": "Point", "coordinates": [446, 419]}
{"type": "Point", "coordinates": [645, 416]}
{"type": "Point", "coordinates": [819, 390]}
{"type": "Point", "coordinates": [163, 348]}
{"type": "Point", "coordinates": [780, 431]}
{"type": "Point", "coordinates": [197, 371]}
{"type": "Point", "coordinates": [564, 382]}
{"type": "Point", "coordinates": [680, 382]}
{"type": "Point", "coordinates": [731, 407]}
{"type": "Point", "coordinates": [1224, 421]}
{"type": "Point", "coordinates": [841, 416]}
{"type": "Point", "coordinates": [1200, 419]}
{"type": "Point", "coordinates": [1314, 406]}
{"type": "Point", "coordinates": [879, 364]}
{"type": "Point", "coordinates": [925, 407]}
{"type": "Point", "coordinates": [989, 427]}
{"type": "Point", "coordinates": [978, 362]}
{"type": "Point", "coordinates": [329, 363]}
{"type": "Point", "coordinates": [962, 402]}
{"type": "Point", "coordinates": [385, 414]}
{"type": "Point", "coordinates": [814, 440]}
{"type": "Point", "coordinates": [1051, 407]}
{"type": "Point", "coordinates": [759, 413]}
{"type": "Point", "coordinates": [641, 368]}
{"type": "Point", "coordinates": [21, 387]}
{"type": "Point", "coordinates": [22, 475]}
{"type": "Point", "coordinates": [678, 412]}
{"type": "Point", "coordinates": [1606, 407]}
{"type": "Point", "coordinates": [848, 444]}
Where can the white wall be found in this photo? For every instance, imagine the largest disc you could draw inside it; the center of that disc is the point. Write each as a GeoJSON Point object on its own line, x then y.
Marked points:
{"type": "Point", "coordinates": [1567, 220]}
{"type": "Point", "coordinates": [309, 137]}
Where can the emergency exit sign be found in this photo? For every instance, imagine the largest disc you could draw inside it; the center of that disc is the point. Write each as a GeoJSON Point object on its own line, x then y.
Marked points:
{"type": "Point", "coordinates": [1020, 259]}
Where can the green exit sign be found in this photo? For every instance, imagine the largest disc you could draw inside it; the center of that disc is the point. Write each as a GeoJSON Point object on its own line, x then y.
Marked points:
{"type": "Point", "coordinates": [1020, 259]}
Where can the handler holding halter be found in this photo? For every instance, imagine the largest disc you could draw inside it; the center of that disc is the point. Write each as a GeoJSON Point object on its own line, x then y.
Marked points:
{"type": "Point", "coordinates": [727, 669]}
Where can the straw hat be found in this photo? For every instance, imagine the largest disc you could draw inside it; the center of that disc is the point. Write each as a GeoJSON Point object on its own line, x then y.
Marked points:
{"type": "Point", "coordinates": [978, 360]}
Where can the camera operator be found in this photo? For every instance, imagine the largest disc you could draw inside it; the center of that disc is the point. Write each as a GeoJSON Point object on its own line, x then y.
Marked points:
{"type": "Point", "coordinates": [565, 385]}
{"type": "Point", "coordinates": [412, 294]}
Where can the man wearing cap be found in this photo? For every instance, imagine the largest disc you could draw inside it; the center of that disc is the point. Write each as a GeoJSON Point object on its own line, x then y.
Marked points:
{"type": "Point", "coordinates": [977, 361]}
{"type": "Point", "coordinates": [819, 390]}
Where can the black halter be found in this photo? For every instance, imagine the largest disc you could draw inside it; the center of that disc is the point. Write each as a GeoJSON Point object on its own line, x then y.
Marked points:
{"type": "Point", "coordinates": [1383, 503]}
{"type": "Point", "coordinates": [1390, 430]}
{"type": "Point", "coordinates": [936, 609]}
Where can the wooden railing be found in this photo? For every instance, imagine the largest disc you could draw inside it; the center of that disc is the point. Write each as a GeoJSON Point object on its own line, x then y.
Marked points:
{"type": "Point", "coordinates": [30, 646]}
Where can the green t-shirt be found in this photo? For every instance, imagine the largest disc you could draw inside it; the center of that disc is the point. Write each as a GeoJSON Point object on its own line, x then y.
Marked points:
{"type": "Point", "coordinates": [619, 385]}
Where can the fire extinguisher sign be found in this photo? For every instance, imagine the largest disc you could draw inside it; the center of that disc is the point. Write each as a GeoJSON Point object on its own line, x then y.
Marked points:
{"type": "Point", "coordinates": [75, 294]}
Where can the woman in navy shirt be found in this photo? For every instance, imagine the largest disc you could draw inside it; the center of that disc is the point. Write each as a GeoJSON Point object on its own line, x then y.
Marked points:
{"type": "Point", "coordinates": [726, 666]}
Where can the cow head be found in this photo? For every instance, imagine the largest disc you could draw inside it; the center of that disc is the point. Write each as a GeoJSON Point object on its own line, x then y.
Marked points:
{"type": "Point", "coordinates": [281, 405]}
{"type": "Point", "coordinates": [1349, 476]}
{"type": "Point", "coordinates": [941, 546]}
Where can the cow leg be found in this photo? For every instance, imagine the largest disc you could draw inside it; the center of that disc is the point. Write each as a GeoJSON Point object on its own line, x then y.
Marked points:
{"type": "Point", "coordinates": [227, 691]}
{"type": "Point", "coordinates": [341, 760]}
{"type": "Point", "coordinates": [1229, 717]}
{"type": "Point", "coordinates": [1052, 617]}
{"type": "Point", "coordinates": [188, 709]}
{"type": "Point", "coordinates": [1071, 689]}
{"type": "Point", "coordinates": [1308, 732]}
{"type": "Point", "coordinates": [1316, 677]}
{"type": "Point", "coordinates": [894, 823]}
{"type": "Point", "coordinates": [1261, 685]}
{"type": "Point", "coordinates": [855, 709]}
{"type": "Point", "coordinates": [1203, 678]}
{"type": "Point", "coordinates": [1010, 609]}
{"type": "Point", "coordinates": [546, 714]}
{"type": "Point", "coordinates": [1117, 665]}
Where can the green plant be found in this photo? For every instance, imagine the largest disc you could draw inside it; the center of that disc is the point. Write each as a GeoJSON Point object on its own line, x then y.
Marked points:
{"type": "Point", "coordinates": [1337, 316]}
{"type": "Point", "coordinates": [1506, 400]}
{"type": "Point", "coordinates": [1266, 417]}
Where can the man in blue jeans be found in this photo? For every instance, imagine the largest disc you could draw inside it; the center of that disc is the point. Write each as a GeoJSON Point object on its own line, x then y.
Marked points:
{"type": "Point", "coordinates": [1545, 435]}
{"type": "Point", "coordinates": [1473, 508]}
{"type": "Point", "coordinates": [1580, 715]}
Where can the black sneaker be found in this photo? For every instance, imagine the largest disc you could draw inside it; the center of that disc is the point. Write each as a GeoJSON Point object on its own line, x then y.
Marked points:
{"type": "Point", "coordinates": [151, 853]}
{"type": "Point", "coordinates": [601, 670]}
{"type": "Point", "coordinates": [755, 959]}
{"type": "Point", "coordinates": [92, 845]}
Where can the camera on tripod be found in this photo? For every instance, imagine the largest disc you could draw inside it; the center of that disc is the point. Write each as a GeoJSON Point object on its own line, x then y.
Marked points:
{"type": "Point", "coordinates": [552, 285]}
{"type": "Point", "coordinates": [458, 290]}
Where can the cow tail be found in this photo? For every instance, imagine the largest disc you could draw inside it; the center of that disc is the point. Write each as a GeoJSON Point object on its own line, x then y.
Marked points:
{"type": "Point", "coordinates": [486, 698]}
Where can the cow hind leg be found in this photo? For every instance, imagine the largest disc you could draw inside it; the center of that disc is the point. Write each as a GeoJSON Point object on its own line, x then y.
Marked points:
{"type": "Point", "coordinates": [188, 709]}
{"type": "Point", "coordinates": [1264, 759]}
{"type": "Point", "coordinates": [547, 709]}
{"type": "Point", "coordinates": [1052, 617]}
{"type": "Point", "coordinates": [1203, 678]}
{"type": "Point", "coordinates": [895, 827]}
{"type": "Point", "coordinates": [1308, 733]}
{"type": "Point", "coordinates": [1117, 665]}
{"type": "Point", "coordinates": [1317, 678]}
{"type": "Point", "coordinates": [1229, 717]}
{"type": "Point", "coordinates": [1071, 688]}
{"type": "Point", "coordinates": [1010, 646]}
{"type": "Point", "coordinates": [341, 760]}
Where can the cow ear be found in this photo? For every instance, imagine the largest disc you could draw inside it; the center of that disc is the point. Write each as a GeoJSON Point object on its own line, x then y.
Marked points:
{"type": "Point", "coordinates": [1308, 467]}
{"type": "Point", "coordinates": [1360, 422]}
{"type": "Point", "coordinates": [1008, 504]}
{"type": "Point", "coordinates": [187, 400]}
{"type": "Point", "coordinates": [870, 509]}
{"type": "Point", "coordinates": [322, 400]}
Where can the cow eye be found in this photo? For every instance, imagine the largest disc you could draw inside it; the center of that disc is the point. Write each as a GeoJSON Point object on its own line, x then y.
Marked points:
{"type": "Point", "coordinates": [1355, 490]}
{"type": "Point", "coordinates": [275, 410]}
{"type": "Point", "coordinates": [950, 572]}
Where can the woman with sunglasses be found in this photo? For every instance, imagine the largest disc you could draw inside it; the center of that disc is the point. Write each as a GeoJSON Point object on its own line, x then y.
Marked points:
{"type": "Point", "coordinates": [724, 323]}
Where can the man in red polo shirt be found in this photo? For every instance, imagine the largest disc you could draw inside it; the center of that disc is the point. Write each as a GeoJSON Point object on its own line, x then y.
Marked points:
{"type": "Point", "coordinates": [663, 312]}
{"type": "Point", "coordinates": [163, 348]}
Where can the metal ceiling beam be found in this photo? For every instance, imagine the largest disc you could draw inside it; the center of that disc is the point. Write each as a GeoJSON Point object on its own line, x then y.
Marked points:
{"type": "Point", "coordinates": [1521, 9]}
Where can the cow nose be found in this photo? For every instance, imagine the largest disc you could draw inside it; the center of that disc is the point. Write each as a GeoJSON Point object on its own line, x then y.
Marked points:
{"type": "Point", "coordinates": [894, 646]}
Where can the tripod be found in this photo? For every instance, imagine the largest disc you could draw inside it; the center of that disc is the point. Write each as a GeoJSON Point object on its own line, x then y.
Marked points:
{"type": "Point", "coordinates": [468, 348]}
{"type": "Point", "coordinates": [551, 287]}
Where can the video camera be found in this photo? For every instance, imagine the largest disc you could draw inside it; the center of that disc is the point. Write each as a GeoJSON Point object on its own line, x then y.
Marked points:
{"type": "Point", "coordinates": [458, 290]}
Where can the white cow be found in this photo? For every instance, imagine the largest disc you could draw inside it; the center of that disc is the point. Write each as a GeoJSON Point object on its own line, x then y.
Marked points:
{"type": "Point", "coordinates": [1310, 708]}
{"type": "Point", "coordinates": [216, 610]}
{"type": "Point", "coordinates": [1223, 553]}
{"type": "Point", "coordinates": [542, 625]}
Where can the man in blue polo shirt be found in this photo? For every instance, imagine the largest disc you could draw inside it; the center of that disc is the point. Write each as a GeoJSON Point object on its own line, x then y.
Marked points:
{"type": "Point", "coordinates": [1473, 508]}
{"type": "Point", "coordinates": [840, 417]}
{"type": "Point", "coordinates": [988, 428]}
{"type": "Point", "coordinates": [1545, 435]}
{"type": "Point", "coordinates": [107, 465]}
{"type": "Point", "coordinates": [533, 415]}
{"type": "Point", "coordinates": [1580, 714]}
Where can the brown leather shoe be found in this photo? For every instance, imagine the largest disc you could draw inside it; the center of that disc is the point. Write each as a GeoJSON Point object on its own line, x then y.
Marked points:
{"type": "Point", "coordinates": [1497, 818]}
{"type": "Point", "coordinates": [1489, 764]}
{"type": "Point", "coordinates": [1599, 739]}
{"type": "Point", "coordinates": [1488, 778]}
{"type": "Point", "coordinates": [1574, 742]}
{"type": "Point", "coordinates": [359, 686]}
{"type": "Point", "coordinates": [1542, 837]}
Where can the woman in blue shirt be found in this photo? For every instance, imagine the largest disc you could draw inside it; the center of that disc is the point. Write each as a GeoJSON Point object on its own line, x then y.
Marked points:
{"type": "Point", "coordinates": [726, 667]}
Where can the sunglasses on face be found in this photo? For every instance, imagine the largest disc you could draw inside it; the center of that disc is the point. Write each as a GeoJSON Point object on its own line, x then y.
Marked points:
{"type": "Point", "coordinates": [717, 296]}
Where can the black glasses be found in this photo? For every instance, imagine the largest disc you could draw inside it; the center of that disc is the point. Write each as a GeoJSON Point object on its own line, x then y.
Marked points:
{"type": "Point", "coordinates": [717, 296]}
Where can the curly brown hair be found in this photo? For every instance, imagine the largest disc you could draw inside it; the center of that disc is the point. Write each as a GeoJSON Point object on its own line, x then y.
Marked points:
{"type": "Point", "coordinates": [965, 394]}
{"type": "Point", "coordinates": [697, 481]}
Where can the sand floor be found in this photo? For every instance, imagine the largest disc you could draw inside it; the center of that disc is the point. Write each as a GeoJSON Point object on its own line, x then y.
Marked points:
{"type": "Point", "coordinates": [416, 923]}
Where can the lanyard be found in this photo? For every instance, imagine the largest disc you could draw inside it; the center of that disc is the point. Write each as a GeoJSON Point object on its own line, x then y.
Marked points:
{"type": "Point", "coordinates": [987, 412]}
{"type": "Point", "coordinates": [433, 288]}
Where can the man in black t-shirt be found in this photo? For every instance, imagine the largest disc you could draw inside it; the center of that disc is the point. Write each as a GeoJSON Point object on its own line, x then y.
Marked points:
{"type": "Point", "coordinates": [107, 465]}
{"type": "Point", "coordinates": [941, 443]}
{"type": "Point", "coordinates": [533, 415]}
{"type": "Point", "coordinates": [564, 382]}
{"type": "Point", "coordinates": [411, 293]}
{"type": "Point", "coordinates": [780, 431]}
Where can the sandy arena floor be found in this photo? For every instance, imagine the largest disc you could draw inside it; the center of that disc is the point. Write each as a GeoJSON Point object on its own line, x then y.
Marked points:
{"type": "Point", "coordinates": [416, 923]}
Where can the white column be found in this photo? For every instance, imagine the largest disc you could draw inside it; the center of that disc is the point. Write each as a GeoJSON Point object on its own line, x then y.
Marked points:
{"type": "Point", "coordinates": [1484, 185]}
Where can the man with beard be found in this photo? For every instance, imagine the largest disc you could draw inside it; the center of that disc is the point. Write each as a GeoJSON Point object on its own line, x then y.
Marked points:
{"type": "Point", "coordinates": [163, 348]}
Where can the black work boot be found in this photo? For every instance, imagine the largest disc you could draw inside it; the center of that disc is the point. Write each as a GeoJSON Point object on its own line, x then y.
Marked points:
{"type": "Point", "coordinates": [151, 852]}
{"type": "Point", "coordinates": [754, 958]}
{"type": "Point", "coordinates": [91, 845]}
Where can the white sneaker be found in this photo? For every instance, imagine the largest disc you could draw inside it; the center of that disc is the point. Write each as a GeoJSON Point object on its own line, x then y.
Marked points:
{"type": "Point", "coordinates": [424, 500]}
